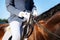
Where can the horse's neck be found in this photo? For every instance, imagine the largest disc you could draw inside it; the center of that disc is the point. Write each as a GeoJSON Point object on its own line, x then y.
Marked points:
{"type": "Point", "coordinates": [48, 26]}
{"type": "Point", "coordinates": [55, 19]}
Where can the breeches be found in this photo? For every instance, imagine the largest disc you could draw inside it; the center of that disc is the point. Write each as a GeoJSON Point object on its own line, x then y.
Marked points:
{"type": "Point", "coordinates": [16, 30]}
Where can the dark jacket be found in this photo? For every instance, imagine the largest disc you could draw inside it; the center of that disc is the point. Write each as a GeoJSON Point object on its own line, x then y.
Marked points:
{"type": "Point", "coordinates": [29, 4]}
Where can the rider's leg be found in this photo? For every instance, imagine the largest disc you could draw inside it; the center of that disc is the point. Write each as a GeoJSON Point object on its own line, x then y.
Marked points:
{"type": "Point", "coordinates": [15, 30]}
{"type": "Point", "coordinates": [7, 34]}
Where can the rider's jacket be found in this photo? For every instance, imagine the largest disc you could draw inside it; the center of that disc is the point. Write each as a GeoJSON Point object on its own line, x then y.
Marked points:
{"type": "Point", "coordinates": [16, 6]}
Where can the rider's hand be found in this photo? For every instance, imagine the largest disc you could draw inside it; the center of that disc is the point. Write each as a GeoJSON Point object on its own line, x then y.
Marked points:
{"type": "Point", "coordinates": [21, 14]}
{"type": "Point", "coordinates": [26, 15]}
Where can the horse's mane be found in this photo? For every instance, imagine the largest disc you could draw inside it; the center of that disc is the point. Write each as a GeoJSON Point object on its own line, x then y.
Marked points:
{"type": "Point", "coordinates": [49, 13]}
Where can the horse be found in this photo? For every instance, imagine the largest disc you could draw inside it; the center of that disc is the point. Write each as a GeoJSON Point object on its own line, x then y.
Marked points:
{"type": "Point", "coordinates": [40, 32]}
{"type": "Point", "coordinates": [2, 31]}
{"type": "Point", "coordinates": [53, 26]}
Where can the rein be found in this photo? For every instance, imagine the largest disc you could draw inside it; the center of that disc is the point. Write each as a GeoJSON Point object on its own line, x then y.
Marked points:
{"type": "Point", "coordinates": [41, 26]}
{"type": "Point", "coordinates": [28, 29]}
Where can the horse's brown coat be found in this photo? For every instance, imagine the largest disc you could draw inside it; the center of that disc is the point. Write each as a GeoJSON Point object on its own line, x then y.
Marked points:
{"type": "Point", "coordinates": [53, 24]}
{"type": "Point", "coordinates": [2, 26]}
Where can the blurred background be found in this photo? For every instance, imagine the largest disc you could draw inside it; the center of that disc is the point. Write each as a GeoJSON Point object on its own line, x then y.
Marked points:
{"type": "Point", "coordinates": [42, 6]}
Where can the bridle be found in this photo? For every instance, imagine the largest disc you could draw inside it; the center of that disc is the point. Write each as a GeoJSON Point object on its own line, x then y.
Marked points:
{"type": "Point", "coordinates": [41, 26]}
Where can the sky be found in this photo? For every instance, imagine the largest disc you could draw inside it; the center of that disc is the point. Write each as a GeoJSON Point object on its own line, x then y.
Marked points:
{"type": "Point", "coordinates": [42, 6]}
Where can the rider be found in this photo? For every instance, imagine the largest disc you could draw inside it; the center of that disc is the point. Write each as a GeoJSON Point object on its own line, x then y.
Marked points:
{"type": "Point", "coordinates": [19, 9]}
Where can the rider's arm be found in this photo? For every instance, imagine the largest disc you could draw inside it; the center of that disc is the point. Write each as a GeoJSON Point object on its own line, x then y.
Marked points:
{"type": "Point", "coordinates": [11, 8]}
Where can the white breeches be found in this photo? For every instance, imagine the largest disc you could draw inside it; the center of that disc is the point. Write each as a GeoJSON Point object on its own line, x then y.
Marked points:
{"type": "Point", "coordinates": [7, 33]}
{"type": "Point", "coordinates": [16, 30]}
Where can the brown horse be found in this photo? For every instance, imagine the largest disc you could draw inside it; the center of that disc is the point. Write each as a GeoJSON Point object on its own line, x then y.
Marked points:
{"type": "Point", "coordinates": [52, 24]}
{"type": "Point", "coordinates": [40, 33]}
{"type": "Point", "coordinates": [2, 27]}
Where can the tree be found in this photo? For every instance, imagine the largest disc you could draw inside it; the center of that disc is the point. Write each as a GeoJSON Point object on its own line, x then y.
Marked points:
{"type": "Point", "coordinates": [3, 21]}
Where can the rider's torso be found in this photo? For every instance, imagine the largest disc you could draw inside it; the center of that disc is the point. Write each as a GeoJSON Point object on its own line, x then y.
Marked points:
{"type": "Point", "coordinates": [19, 4]}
